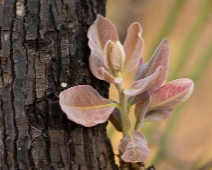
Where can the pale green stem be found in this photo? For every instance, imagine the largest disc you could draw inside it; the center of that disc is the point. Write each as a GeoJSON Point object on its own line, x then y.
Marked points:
{"type": "Point", "coordinates": [123, 108]}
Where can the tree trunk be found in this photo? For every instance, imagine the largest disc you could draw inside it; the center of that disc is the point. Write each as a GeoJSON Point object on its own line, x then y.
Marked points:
{"type": "Point", "coordinates": [43, 51]}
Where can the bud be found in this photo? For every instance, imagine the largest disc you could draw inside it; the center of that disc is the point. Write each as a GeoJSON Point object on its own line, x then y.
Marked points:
{"type": "Point", "coordinates": [114, 56]}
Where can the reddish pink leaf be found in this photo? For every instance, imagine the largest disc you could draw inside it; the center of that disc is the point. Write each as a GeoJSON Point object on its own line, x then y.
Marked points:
{"type": "Point", "coordinates": [143, 84]}
{"type": "Point", "coordinates": [83, 105]}
{"type": "Point", "coordinates": [141, 62]}
{"type": "Point", "coordinates": [134, 147]}
{"type": "Point", "coordinates": [99, 33]}
{"type": "Point", "coordinates": [171, 94]}
{"type": "Point", "coordinates": [140, 110]}
{"type": "Point", "coordinates": [140, 98]}
{"type": "Point", "coordinates": [160, 57]}
{"type": "Point", "coordinates": [133, 46]}
{"type": "Point", "coordinates": [157, 115]}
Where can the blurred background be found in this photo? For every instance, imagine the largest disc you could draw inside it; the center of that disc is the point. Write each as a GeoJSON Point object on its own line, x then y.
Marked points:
{"type": "Point", "coordinates": [184, 141]}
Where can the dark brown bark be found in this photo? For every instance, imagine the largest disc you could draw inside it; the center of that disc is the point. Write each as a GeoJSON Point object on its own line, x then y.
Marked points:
{"type": "Point", "coordinates": [43, 48]}
{"type": "Point", "coordinates": [134, 166]}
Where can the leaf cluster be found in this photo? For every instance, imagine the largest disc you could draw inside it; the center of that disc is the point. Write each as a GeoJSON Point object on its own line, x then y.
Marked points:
{"type": "Point", "coordinates": [154, 99]}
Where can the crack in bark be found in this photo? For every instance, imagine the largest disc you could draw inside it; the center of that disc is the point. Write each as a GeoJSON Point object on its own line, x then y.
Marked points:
{"type": "Point", "coordinates": [4, 136]}
{"type": "Point", "coordinates": [47, 137]}
{"type": "Point", "coordinates": [12, 83]}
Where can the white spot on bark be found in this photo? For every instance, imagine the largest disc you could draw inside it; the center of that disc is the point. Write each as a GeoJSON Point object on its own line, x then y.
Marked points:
{"type": "Point", "coordinates": [64, 84]}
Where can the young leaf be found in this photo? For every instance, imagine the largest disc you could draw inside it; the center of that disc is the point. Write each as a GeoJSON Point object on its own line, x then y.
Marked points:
{"type": "Point", "coordinates": [157, 115]}
{"type": "Point", "coordinates": [171, 94]}
{"type": "Point", "coordinates": [107, 50]}
{"type": "Point", "coordinates": [99, 33]}
{"type": "Point", "coordinates": [143, 84]}
{"type": "Point", "coordinates": [83, 105]}
{"type": "Point", "coordinates": [134, 147]}
{"type": "Point", "coordinates": [133, 46]}
{"type": "Point", "coordinates": [114, 56]}
{"type": "Point", "coordinates": [160, 57]}
{"type": "Point", "coordinates": [108, 77]}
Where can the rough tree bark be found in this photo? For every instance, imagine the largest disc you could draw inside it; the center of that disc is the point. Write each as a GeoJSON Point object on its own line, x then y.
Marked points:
{"type": "Point", "coordinates": [43, 50]}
